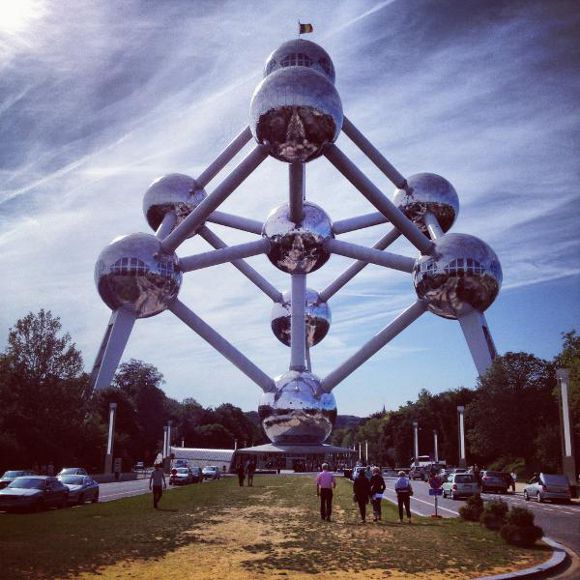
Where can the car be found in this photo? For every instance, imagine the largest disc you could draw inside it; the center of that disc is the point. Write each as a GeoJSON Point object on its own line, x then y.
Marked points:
{"type": "Point", "coordinates": [34, 492]}
{"type": "Point", "coordinates": [419, 473]}
{"type": "Point", "coordinates": [358, 469]}
{"type": "Point", "coordinates": [180, 476]}
{"type": "Point", "coordinates": [139, 466]}
{"type": "Point", "coordinates": [390, 472]}
{"type": "Point", "coordinates": [197, 474]}
{"type": "Point", "coordinates": [495, 481]}
{"type": "Point", "coordinates": [444, 473]}
{"type": "Point", "coordinates": [552, 486]}
{"type": "Point", "coordinates": [460, 485]}
{"type": "Point", "coordinates": [211, 472]}
{"type": "Point", "coordinates": [10, 476]}
{"type": "Point", "coordinates": [81, 488]}
{"type": "Point", "coordinates": [72, 471]}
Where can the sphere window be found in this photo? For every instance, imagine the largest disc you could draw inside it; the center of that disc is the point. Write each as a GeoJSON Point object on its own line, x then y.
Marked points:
{"type": "Point", "coordinates": [296, 59]}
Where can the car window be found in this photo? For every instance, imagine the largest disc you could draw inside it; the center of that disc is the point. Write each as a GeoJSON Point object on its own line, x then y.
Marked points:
{"type": "Point", "coordinates": [27, 483]}
{"type": "Point", "coordinates": [463, 479]}
{"type": "Point", "coordinates": [72, 479]}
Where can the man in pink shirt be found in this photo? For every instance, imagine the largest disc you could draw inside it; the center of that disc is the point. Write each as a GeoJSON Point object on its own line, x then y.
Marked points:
{"type": "Point", "coordinates": [325, 483]}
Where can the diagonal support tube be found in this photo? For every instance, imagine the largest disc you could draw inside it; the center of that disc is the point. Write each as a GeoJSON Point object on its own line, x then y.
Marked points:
{"type": "Point", "coordinates": [479, 340]}
{"type": "Point", "coordinates": [249, 272]}
{"type": "Point", "coordinates": [373, 153]}
{"type": "Point", "coordinates": [370, 255]}
{"type": "Point", "coordinates": [225, 157]}
{"type": "Point", "coordinates": [222, 346]}
{"type": "Point", "coordinates": [198, 216]}
{"type": "Point", "coordinates": [376, 197]}
{"type": "Point", "coordinates": [356, 223]}
{"type": "Point", "coordinates": [235, 221]}
{"type": "Point", "coordinates": [206, 259]}
{"type": "Point", "coordinates": [432, 225]}
{"type": "Point", "coordinates": [298, 323]}
{"type": "Point", "coordinates": [355, 268]}
{"type": "Point", "coordinates": [375, 344]}
{"type": "Point", "coordinates": [164, 229]}
{"type": "Point", "coordinates": [296, 202]}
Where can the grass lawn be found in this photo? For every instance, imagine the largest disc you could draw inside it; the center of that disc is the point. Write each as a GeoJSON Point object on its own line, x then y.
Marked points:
{"type": "Point", "coordinates": [219, 530]}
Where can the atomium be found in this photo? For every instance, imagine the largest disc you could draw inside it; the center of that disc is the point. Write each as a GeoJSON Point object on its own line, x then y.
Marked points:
{"type": "Point", "coordinates": [296, 115]}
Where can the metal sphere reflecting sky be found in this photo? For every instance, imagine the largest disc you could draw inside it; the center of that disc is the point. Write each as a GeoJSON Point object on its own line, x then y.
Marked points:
{"type": "Point", "coordinates": [463, 274]}
{"type": "Point", "coordinates": [132, 272]}
{"type": "Point", "coordinates": [299, 412]}
{"type": "Point", "coordinates": [174, 192]}
{"type": "Point", "coordinates": [298, 247]}
{"type": "Point", "coordinates": [295, 112]}
{"type": "Point", "coordinates": [316, 315]}
{"type": "Point", "coordinates": [301, 52]}
{"type": "Point", "coordinates": [428, 192]}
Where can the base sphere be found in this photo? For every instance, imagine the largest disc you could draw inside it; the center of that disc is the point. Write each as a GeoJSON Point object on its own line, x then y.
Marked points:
{"type": "Point", "coordinates": [298, 413]}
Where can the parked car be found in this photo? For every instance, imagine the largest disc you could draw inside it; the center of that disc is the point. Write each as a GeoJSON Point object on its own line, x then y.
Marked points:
{"type": "Point", "coordinates": [445, 472]}
{"type": "Point", "coordinates": [387, 472]}
{"type": "Point", "coordinates": [495, 481]}
{"type": "Point", "coordinates": [34, 492]}
{"type": "Point", "coordinates": [197, 474]}
{"type": "Point", "coordinates": [211, 472]}
{"type": "Point", "coordinates": [139, 466]}
{"type": "Point", "coordinates": [72, 471]}
{"type": "Point", "coordinates": [180, 476]}
{"type": "Point", "coordinates": [358, 469]}
{"type": "Point", "coordinates": [10, 476]}
{"type": "Point", "coordinates": [548, 486]}
{"type": "Point", "coordinates": [460, 485]}
{"type": "Point", "coordinates": [81, 488]}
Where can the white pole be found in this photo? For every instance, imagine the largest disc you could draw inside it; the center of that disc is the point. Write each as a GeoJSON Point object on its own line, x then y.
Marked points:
{"type": "Point", "coordinates": [112, 410]}
{"type": "Point", "coordinates": [164, 453]}
{"type": "Point", "coordinates": [367, 452]}
{"type": "Point", "coordinates": [462, 462]}
{"type": "Point", "coordinates": [416, 439]}
{"type": "Point", "coordinates": [436, 446]}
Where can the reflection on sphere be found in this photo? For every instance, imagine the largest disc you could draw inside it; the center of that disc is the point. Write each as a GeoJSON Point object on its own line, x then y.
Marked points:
{"type": "Point", "coordinates": [298, 413]}
{"type": "Point", "coordinates": [174, 192]}
{"type": "Point", "coordinates": [428, 192]}
{"type": "Point", "coordinates": [298, 247]}
{"type": "Point", "coordinates": [133, 273]}
{"type": "Point", "coordinates": [463, 274]}
{"type": "Point", "coordinates": [295, 112]}
{"type": "Point", "coordinates": [316, 314]}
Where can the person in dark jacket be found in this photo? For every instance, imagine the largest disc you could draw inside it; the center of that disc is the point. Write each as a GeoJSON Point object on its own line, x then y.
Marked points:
{"type": "Point", "coordinates": [404, 493]}
{"type": "Point", "coordinates": [241, 474]}
{"type": "Point", "coordinates": [377, 488]}
{"type": "Point", "coordinates": [362, 490]}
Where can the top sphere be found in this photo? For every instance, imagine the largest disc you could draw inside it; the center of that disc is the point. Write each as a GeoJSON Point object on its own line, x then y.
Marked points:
{"type": "Point", "coordinates": [174, 192]}
{"type": "Point", "coordinates": [300, 52]}
{"type": "Point", "coordinates": [428, 192]}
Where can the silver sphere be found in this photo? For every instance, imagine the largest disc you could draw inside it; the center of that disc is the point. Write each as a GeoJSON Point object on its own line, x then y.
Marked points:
{"type": "Point", "coordinates": [317, 317]}
{"type": "Point", "coordinates": [133, 273]}
{"type": "Point", "coordinates": [298, 247]}
{"type": "Point", "coordinates": [463, 274]}
{"type": "Point", "coordinates": [300, 52]}
{"type": "Point", "coordinates": [299, 412]}
{"type": "Point", "coordinates": [428, 192]}
{"type": "Point", "coordinates": [295, 112]}
{"type": "Point", "coordinates": [174, 192]}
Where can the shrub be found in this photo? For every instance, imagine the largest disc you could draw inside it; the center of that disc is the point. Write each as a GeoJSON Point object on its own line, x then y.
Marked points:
{"type": "Point", "coordinates": [473, 509]}
{"type": "Point", "coordinates": [494, 514]}
{"type": "Point", "coordinates": [519, 516]}
{"type": "Point", "coordinates": [519, 528]}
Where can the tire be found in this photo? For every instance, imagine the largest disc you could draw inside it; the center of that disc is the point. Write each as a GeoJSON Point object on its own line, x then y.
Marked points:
{"type": "Point", "coordinates": [526, 496]}
{"type": "Point", "coordinates": [81, 499]}
{"type": "Point", "coordinates": [95, 499]}
{"type": "Point", "coordinates": [63, 503]}
{"type": "Point", "coordinates": [39, 506]}
{"type": "Point", "coordinates": [539, 498]}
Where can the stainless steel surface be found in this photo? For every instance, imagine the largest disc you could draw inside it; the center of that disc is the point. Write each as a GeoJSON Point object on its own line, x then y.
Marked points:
{"type": "Point", "coordinates": [463, 274]}
{"type": "Point", "coordinates": [428, 192]}
{"type": "Point", "coordinates": [298, 324]}
{"type": "Point", "coordinates": [298, 247]}
{"type": "Point", "coordinates": [300, 52]}
{"type": "Point", "coordinates": [171, 193]}
{"type": "Point", "coordinates": [298, 412]}
{"type": "Point", "coordinates": [317, 318]}
{"type": "Point", "coordinates": [134, 273]}
{"type": "Point", "coordinates": [221, 256]}
{"type": "Point", "coordinates": [295, 112]}
{"type": "Point", "coordinates": [358, 222]}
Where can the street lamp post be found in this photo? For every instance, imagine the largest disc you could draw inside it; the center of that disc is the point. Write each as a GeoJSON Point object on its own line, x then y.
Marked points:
{"type": "Point", "coordinates": [568, 459]}
{"type": "Point", "coordinates": [461, 413]}
{"type": "Point", "coordinates": [435, 446]}
{"type": "Point", "coordinates": [416, 442]}
{"type": "Point", "coordinates": [109, 454]}
{"type": "Point", "coordinates": [366, 452]}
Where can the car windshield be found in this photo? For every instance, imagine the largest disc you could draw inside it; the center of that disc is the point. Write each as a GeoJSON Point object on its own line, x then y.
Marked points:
{"type": "Point", "coordinates": [493, 474]}
{"type": "Point", "coordinates": [27, 483]}
{"type": "Point", "coordinates": [72, 479]}
{"type": "Point", "coordinates": [12, 474]}
{"type": "Point", "coordinates": [182, 470]}
{"type": "Point", "coordinates": [463, 479]}
{"type": "Point", "coordinates": [552, 479]}
{"type": "Point", "coordinates": [69, 471]}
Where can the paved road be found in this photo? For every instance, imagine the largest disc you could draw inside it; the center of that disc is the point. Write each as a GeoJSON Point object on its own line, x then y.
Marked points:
{"type": "Point", "coordinates": [559, 521]}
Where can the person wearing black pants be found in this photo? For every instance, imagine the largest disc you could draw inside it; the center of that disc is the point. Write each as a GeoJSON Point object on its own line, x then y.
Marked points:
{"type": "Point", "coordinates": [362, 490]}
{"type": "Point", "coordinates": [404, 493]}
{"type": "Point", "coordinates": [325, 483]}
{"type": "Point", "coordinates": [377, 488]}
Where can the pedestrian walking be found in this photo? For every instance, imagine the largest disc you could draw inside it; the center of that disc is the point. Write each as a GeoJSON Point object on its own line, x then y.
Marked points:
{"type": "Point", "coordinates": [250, 470]}
{"type": "Point", "coordinates": [377, 488]}
{"type": "Point", "coordinates": [157, 482]}
{"type": "Point", "coordinates": [514, 479]}
{"type": "Point", "coordinates": [404, 492]}
{"type": "Point", "coordinates": [241, 474]}
{"type": "Point", "coordinates": [325, 483]}
{"type": "Point", "coordinates": [362, 491]}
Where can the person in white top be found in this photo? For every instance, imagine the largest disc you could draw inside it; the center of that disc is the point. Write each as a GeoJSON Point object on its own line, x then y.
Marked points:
{"type": "Point", "coordinates": [157, 481]}
{"type": "Point", "coordinates": [404, 493]}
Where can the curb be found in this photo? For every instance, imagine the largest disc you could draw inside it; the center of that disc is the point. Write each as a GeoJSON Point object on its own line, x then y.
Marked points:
{"type": "Point", "coordinates": [560, 558]}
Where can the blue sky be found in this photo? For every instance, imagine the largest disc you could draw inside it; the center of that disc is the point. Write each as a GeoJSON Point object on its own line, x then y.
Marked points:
{"type": "Point", "coordinates": [94, 107]}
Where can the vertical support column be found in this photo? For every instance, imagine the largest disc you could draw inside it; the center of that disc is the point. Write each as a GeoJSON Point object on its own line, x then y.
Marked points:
{"type": "Point", "coordinates": [298, 323]}
{"type": "Point", "coordinates": [296, 201]}
{"type": "Point", "coordinates": [366, 451]}
{"type": "Point", "coordinates": [164, 452]}
{"type": "Point", "coordinates": [359, 451]}
{"type": "Point", "coordinates": [568, 457]}
{"type": "Point", "coordinates": [416, 442]}
{"type": "Point", "coordinates": [461, 413]}
{"type": "Point", "coordinates": [109, 454]}
{"type": "Point", "coordinates": [435, 446]}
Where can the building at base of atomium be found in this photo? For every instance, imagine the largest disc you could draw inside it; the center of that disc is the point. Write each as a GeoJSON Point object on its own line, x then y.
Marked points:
{"type": "Point", "coordinates": [296, 115]}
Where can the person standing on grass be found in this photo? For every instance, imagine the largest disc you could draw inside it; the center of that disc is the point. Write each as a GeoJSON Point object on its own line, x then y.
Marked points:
{"type": "Point", "coordinates": [377, 488]}
{"type": "Point", "coordinates": [362, 491]}
{"type": "Point", "coordinates": [241, 474]}
{"type": "Point", "coordinates": [404, 493]}
{"type": "Point", "coordinates": [325, 483]}
{"type": "Point", "coordinates": [157, 482]}
{"type": "Point", "coordinates": [250, 470]}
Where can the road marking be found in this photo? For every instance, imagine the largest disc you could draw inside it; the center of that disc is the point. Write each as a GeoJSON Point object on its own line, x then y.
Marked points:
{"type": "Point", "coordinates": [430, 504]}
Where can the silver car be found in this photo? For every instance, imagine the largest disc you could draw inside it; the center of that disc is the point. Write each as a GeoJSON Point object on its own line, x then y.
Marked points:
{"type": "Point", "coordinates": [548, 486]}
{"type": "Point", "coordinates": [460, 485]}
{"type": "Point", "coordinates": [81, 488]}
